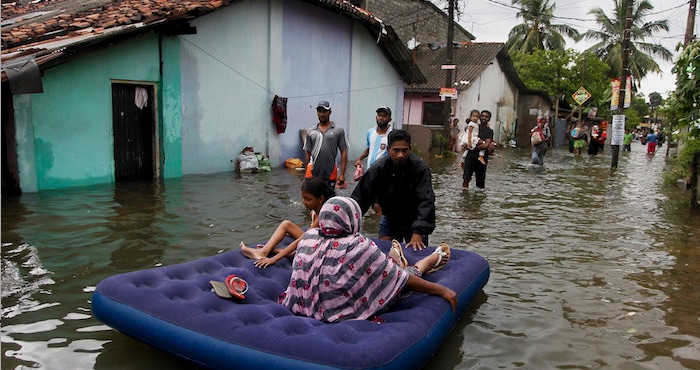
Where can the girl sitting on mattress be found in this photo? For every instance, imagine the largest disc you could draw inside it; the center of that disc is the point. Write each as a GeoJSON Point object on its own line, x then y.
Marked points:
{"type": "Point", "coordinates": [340, 274]}
{"type": "Point", "coordinates": [314, 192]}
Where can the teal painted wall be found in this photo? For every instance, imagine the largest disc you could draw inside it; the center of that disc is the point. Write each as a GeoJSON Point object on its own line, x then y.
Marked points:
{"type": "Point", "coordinates": [171, 109]}
{"type": "Point", "coordinates": [71, 120]}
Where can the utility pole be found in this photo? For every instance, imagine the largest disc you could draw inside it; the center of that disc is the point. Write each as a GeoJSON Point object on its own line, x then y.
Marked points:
{"type": "Point", "coordinates": [447, 107]}
{"type": "Point", "coordinates": [695, 163]}
{"type": "Point", "coordinates": [623, 75]}
{"type": "Point", "coordinates": [690, 24]}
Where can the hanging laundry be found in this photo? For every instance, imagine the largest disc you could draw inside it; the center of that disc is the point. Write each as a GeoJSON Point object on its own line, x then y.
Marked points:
{"type": "Point", "coordinates": [279, 114]}
{"type": "Point", "coordinates": [140, 97]}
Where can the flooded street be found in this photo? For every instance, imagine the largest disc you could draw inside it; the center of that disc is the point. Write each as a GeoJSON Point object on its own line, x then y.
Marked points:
{"type": "Point", "coordinates": [589, 269]}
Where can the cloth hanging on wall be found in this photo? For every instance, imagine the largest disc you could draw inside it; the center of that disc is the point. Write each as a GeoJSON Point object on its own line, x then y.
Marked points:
{"type": "Point", "coordinates": [279, 114]}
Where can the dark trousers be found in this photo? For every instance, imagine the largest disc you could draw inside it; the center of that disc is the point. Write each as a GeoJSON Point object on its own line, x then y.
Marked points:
{"type": "Point", "coordinates": [472, 166]}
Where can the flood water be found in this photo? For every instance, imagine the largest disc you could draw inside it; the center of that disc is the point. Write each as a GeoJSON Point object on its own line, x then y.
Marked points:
{"type": "Point", "coordinates": [589, 269]}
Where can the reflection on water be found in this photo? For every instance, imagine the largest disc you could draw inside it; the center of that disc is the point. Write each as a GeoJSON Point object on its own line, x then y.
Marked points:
{"type": "Point", "coordinates": [590, 269]}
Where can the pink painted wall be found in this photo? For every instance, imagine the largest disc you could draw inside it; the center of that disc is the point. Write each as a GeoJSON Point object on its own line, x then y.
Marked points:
{"type": "Point", "coordinates": [413, 107]}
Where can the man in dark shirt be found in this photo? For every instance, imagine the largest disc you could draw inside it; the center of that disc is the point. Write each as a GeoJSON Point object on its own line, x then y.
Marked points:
{"type": "Point", "coordinates": [470, 163]}
{"type": "Point", "coordinates": [402, 185]}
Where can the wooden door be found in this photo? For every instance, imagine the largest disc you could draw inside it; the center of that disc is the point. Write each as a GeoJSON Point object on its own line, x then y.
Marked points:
{"type": "Point", "coordinates": [133, 130]}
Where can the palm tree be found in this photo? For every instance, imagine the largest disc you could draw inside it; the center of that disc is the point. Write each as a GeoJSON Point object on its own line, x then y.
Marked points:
{"type": "Point", "coordinates": [537, 32]}
{"type": "Point", "coordinates": [609, 37]}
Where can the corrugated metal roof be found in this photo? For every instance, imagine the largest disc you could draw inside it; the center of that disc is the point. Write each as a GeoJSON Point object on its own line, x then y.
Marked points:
{"type": "Point", "coordinates": [50, 27]}
{"type": "Point", "coordinates": [470, 60]}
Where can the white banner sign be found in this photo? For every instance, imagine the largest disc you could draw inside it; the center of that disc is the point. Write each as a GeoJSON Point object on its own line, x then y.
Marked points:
{"type": "Point", "coordinates": [618, 129]}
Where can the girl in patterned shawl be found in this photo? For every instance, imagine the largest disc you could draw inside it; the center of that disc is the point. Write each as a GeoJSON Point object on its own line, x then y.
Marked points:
{"type": "Point", "coordinates": [340, 274]}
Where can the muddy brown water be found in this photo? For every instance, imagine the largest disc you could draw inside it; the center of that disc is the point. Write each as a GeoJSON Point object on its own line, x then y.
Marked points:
{"type": "Point", "coordinates": [589, 269]}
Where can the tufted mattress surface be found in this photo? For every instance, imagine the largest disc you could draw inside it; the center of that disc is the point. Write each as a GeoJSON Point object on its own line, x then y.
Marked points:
{"type": "Point", "coordinates": [173, 308]}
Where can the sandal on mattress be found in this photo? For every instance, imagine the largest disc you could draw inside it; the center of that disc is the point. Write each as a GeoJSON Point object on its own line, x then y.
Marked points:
{"type": "Point", "coordinates": [396, 246]}
{"type": "Point", "coordinates": [443, 252]}
{"type": "Point", "coordinates": [236, 286]}
{"type": "Point", "coordinates": [220, 289]}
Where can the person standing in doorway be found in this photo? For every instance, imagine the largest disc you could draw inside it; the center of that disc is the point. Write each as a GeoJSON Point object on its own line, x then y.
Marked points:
{"type": "Point", "coordinates": [402, 185]}
{"type": "Point", "coordinates": [323, 142]}
{"type": "Point", "coordinates": [470, 161]}
{"type": "Point", "coordinates": [454, 134]}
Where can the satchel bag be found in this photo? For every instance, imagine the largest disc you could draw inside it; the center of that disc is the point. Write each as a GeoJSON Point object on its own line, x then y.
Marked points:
{"type": "Point", "coordinates": [536, 137]}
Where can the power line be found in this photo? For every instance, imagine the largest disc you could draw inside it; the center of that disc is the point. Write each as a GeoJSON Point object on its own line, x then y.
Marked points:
{"type": "Point", "coordinates": [582, 19]}
{"type": "Point", "coordinates": [270, 92]}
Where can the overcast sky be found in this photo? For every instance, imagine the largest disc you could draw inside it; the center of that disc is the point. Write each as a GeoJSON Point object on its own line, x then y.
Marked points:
{"type": "Point", "coordinates": [492, 20]}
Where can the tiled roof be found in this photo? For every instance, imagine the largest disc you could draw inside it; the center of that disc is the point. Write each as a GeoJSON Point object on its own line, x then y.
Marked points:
{"type": "Point", "coordinates": [37, 21]}
{"type": "Point", "coordinates": [470, 60]}
{"type": "Point", "coordinates": [42, 29]}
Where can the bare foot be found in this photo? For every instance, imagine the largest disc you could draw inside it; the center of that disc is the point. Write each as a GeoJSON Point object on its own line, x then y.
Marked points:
{"type": "Point", "coordinates": [253, 253]}
{"type": "Point", "coordinates": [482, 161]}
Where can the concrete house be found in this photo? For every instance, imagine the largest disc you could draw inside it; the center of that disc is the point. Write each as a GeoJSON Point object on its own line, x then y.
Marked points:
{"type": "Point", "coordinates": [485, 80]}
{"type": "Point", "coordinates": [484, 74]}
{"type": "Point", "coordinates": [100, 91]}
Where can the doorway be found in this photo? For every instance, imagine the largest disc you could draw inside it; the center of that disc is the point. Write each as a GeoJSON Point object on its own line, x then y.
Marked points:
{"type": "Point", "coordinates": [10, 167]}
{"type": "Point", "coordinates": [134, 131]}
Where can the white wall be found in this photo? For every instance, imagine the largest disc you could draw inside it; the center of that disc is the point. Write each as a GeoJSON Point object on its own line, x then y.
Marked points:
{"type": "Point", "coordinates": [493, 92]}
{"type": "Point", "coordinates": [225, 102]}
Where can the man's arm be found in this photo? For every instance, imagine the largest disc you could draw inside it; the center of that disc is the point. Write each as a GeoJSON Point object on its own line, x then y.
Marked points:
{"type": "Point", "coordinates": [487, 138]}
{"type": "Point", "coordinates": [425, 217]}
{"type": "Point", "coordinates": [362, 156]}
{"type": "Point", "coordinates": [364, 193]}
{"type": "Point", "coordinates": [308, 147]}
{"type": "Point", "coordinates": [485, 144]}
{"type": "Point", "coordinates": [343, 165]}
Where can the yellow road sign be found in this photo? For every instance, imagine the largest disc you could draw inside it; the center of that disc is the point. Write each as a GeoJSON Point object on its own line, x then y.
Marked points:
{"type": "Point", "coordinates": [581, 95]}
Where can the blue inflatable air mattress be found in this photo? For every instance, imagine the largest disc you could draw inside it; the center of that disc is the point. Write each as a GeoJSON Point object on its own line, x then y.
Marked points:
{"type": "Point", "coordinates": [174, 309]}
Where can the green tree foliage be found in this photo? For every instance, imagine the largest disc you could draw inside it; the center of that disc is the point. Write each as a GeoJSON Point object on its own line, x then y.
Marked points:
{"type": "Point", "coordinates": [682, 110]}
{"type": "Point", "coordinates": [592, 73]}
{"type": "Point", "coordinates": [636, 112]}
{"type": "Point", "coordinates": [537, 32]}
{"type": "Point", "coordinates": [609, 37]}
{"type": "Point", "coordinates": [687, 94]}
{"type": "Point", "coordinates": [655, 100]}
{"type": "Point", "coordinates": [561, 73]}
{"type": "Point", "coordinates": [546, 70]}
